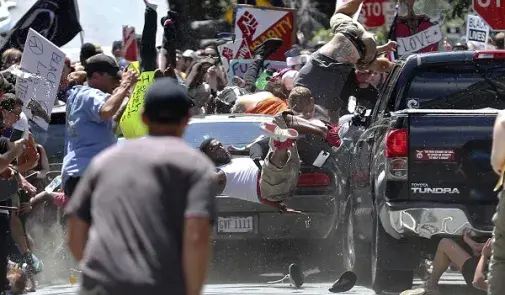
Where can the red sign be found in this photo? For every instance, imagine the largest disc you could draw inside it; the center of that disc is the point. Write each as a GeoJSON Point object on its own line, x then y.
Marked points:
{"type": "Point", "coordinates": [435, 155]}
{"type": "Point", "coordinates": [250, 29]}
{"type": "Point", "coordinates": [373, 13]}
{"type": "Point", "coordinates": [492, 12]}
{"type": "Point", "coordinates": [130, 48]}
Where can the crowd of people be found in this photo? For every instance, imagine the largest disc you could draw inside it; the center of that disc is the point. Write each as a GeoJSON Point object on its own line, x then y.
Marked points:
{"type": "Point", "coordinates": [139, 215]}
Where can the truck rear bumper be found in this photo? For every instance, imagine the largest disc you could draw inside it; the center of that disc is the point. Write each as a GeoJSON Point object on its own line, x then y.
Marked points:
{"type": "Point", "coordinates": [427, 222]}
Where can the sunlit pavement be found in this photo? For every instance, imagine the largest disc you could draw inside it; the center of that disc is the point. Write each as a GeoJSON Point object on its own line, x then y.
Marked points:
{"type": "Point", "coordinates": [452, 284]}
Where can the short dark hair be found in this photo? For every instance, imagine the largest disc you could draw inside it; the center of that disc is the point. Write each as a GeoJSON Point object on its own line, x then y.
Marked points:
{"type": "Point", "coordinates": [205, 145]}
{"type": "Point", "coordinates": [10, 101]}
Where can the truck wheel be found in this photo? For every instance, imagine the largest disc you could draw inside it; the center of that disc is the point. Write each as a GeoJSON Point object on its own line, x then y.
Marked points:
{"type": "Point", "coordinates": [384, 279]}
{"type": "Point", "coordinates": [356, 252]}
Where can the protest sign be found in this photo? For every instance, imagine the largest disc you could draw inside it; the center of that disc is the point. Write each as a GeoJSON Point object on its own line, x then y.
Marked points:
{"type": "Point", "coordinates": [44, 61]}
{"type": "Point", "coordinates": [254, 25]}
{"type": "Point", "coordinates": [423, 41]}
{"type": "Point", "coordinates": [373, 13]}
{"type": "Point", "coordinates": [131, 122]}
{"type": "Point", "coordinates": [238, 67]}
{"type": "Point", "coordinates": [130, 49]}
{"type": "Point", "coordinates": [477, 32]}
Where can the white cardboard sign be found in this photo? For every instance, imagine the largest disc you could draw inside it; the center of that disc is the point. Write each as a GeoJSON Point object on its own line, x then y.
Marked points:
{"type": "Point", "coordinates": [416, 42]}
{"type": "Point", "coordinates": [477, 32]}
{"type": "Point", "coordinates": [45, 61]}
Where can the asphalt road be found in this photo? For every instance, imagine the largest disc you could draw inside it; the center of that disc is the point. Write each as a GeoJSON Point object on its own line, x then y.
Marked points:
{"type": "Point", "coordinates": [451, 284]}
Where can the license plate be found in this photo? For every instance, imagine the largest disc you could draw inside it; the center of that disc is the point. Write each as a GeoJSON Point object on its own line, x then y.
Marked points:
{"type": "Point", "coordinates": [235, 224]}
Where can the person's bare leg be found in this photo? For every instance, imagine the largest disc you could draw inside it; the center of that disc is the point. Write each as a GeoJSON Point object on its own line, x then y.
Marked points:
{"type": "Point", "coordinates": [448, 252]}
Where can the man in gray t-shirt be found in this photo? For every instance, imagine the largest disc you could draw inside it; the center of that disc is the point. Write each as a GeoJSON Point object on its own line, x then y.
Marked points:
{"type": "Point", "coordinates": [141, 217]}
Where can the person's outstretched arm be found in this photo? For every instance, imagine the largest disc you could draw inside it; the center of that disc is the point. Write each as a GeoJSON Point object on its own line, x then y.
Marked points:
{"type": "Point", "coordinates": [148, 43]}
{"type": "Point", "coordinates": [479, 279]}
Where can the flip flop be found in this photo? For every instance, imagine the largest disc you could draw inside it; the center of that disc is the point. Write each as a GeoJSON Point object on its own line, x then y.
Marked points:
{"type": "Point", "coordinates": [345, 283]}
{"type": "Point", "coordinates": [418, 291]}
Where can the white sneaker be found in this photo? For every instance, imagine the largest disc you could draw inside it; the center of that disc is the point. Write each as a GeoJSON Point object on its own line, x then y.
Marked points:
{"type": "Point", "coordinates": [277, 133]}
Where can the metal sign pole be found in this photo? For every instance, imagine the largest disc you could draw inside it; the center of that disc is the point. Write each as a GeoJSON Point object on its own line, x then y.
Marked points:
{"type": "Point", "coordinates": [81, 33]}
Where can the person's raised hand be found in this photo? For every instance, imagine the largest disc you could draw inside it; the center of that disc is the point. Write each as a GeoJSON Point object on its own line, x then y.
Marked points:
{"type": "Point", "coordinates": [487, 249]}
{"type": "Point", "coordinates": [18, 147]}
{"type": "Point", "coordinates": [129, 79]}
{"type": "Point", "coordinates": [391, 46]}
{"type": "Point", "coordinates": [77, 77]}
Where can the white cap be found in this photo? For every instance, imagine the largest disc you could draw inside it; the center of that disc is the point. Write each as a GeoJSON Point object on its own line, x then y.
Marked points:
{"type": "Point", "coordinates": [288, 79]}
{"type": "Point", "coordinates": [190, 53]}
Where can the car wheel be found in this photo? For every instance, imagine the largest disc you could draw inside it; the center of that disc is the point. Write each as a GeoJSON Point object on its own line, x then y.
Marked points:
{"type": "Point", "coordinates": [384, 279]}
{"type": "Point", "coordinates": [353, 246]}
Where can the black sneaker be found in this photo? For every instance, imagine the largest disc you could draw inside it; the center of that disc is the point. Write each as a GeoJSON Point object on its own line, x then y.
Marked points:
{"type": "Point", "coordinates": [295, 275]}
{"type": "Point", "coordinates": [345, 283]}
{"type": "Point", "coordinates": [268, 47]}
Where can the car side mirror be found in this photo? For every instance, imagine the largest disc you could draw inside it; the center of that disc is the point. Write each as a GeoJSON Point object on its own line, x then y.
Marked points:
{"type": "Point", "coordinates": [10, 4]}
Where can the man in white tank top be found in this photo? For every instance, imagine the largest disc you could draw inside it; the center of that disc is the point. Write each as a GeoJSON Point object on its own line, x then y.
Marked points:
{"type": "Point", "coordinates": [276, 181]}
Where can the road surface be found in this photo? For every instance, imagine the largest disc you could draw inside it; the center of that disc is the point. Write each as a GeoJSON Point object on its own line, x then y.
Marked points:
{"type": "Point", "coordinates": [452, 284]}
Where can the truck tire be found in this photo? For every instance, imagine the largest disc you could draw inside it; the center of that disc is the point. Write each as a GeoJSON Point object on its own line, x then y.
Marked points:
{"type": "Point", "coordinates": [384, 279]}
{"type": "Point", "coordinates": [355, 251]}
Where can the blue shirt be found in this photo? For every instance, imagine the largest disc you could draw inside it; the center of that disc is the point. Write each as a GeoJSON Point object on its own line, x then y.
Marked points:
{"type": "Point", "coordinates": [86, 134]}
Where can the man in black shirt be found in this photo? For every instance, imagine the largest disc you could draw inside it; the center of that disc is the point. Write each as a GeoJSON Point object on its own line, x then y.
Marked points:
{"type": "Point", "coordinates": [140, 219]}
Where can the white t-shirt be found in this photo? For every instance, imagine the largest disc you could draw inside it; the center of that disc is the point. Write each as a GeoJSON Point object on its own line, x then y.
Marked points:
{"type": "Point", "coordinates": [241, 179]}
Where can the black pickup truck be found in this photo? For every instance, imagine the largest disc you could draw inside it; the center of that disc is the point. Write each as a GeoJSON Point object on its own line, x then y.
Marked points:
{"type": "Point", "coordinates": [420, 167]}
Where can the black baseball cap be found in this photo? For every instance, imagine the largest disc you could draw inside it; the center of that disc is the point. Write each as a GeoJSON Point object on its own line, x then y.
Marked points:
{"type": "Point", "coordinates": [166, 101]}
{"type": "Point", "coordinates": [102, 63]}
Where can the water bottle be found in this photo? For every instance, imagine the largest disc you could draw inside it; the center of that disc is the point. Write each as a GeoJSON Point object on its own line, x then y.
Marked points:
{"type": "Point", "coordinates": [262, 81]}
{"type": "Point", "coordinates": [55, 184]}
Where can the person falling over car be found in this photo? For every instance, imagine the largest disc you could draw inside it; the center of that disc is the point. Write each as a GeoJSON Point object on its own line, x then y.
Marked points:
{"type": "Point", "coordinates": [351, 45]}
{"type": "Point", "coordinates": [275, 180]}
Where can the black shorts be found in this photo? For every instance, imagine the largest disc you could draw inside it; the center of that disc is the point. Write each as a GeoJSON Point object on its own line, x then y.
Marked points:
{"type": "Point", "coordinates": [468, 269]}
{"type": "Point", "coordinates": [70, 186]}
{"type": "Point", "coordinates": [325, 78]}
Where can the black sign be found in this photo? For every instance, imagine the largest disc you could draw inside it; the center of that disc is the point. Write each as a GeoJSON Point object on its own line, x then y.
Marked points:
{"type": "Point", "coordinates": [56, 20]}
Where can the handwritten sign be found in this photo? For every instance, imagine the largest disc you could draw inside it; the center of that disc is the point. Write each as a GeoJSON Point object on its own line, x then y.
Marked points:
{"type": "Point", "coordinates": [238, 67]}
{"type": "Point", "coordinates": [477, 32]}
{"type": "Point", "coordinates": [45, 62]}
{"type": "Point", "coordinates": [416, 42]}
{"type": "Point", "coordinates": [131, 122]}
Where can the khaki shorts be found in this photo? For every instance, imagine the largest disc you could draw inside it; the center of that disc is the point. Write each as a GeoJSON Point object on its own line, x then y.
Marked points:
{"type": "Point", "coordinates": [279, 183]}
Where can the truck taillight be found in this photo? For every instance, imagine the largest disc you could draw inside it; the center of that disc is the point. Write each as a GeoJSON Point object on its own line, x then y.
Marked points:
{"type": "Point", "coordinates": [313, 179]}
{"type": "Point", "coordinates": [489, 54]}
{"type": "Point", "coordinates": [397, 151]}
{"type": "Point", "coordinates": [397, 143]}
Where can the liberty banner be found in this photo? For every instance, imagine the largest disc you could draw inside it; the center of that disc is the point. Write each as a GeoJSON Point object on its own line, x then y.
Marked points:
{"type": "Point", "coordinates": [254, 25]}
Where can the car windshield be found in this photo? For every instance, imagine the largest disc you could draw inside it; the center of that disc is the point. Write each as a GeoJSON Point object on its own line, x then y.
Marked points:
{"type": "Point", "coordinates": [237, 134]}
{"type": "Point", "coordinates": [470, 86]}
